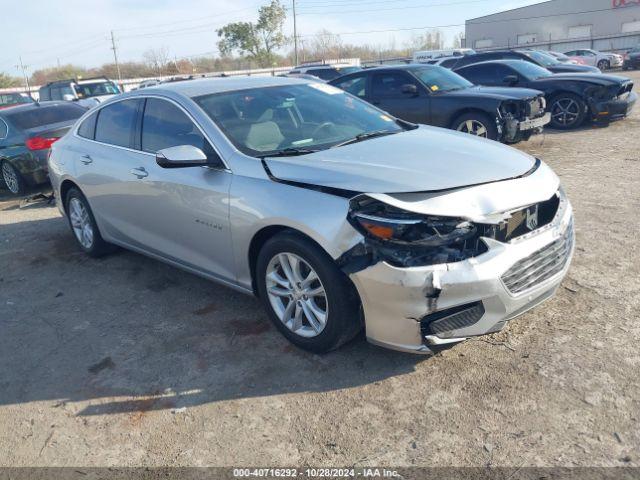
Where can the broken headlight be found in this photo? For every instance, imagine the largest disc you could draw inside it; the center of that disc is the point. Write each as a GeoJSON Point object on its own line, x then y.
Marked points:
{"type": "Point", "coordinates": [406, 239]}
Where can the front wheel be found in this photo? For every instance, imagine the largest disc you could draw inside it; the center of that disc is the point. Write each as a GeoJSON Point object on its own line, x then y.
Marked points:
{"type": "Point", "coordinates": [567, 111]}
{"type": "Point", "coordinates": [308, 298]}
{"type": "Point", "coordinates": [12, 178]}
{"type": "Point", "coordinates": [477, 124]}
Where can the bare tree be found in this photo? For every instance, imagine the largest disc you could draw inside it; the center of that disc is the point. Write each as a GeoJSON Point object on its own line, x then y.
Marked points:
{"type": "Point", "coordinates": [157, 59]}
{"type": "Point", "coordinates": [458, 40]}
{"type": "Point", "coordinates": [432, 39]}
{"type": "Point", "coordinates": [324, 45]}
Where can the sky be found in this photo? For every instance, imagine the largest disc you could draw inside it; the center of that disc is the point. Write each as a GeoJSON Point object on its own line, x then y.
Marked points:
{"type": "Point", "coordinates": [45, 32]}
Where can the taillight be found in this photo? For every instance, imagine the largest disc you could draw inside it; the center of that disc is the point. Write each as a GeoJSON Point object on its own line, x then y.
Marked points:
{"type": "Point", "coordinates": [39, 143]}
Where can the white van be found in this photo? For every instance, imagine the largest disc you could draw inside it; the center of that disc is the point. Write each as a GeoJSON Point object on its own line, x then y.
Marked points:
{"type": "Point", "coordinates": [426, 55]}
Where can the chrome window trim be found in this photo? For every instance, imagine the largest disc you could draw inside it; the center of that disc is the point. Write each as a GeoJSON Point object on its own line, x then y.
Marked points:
{"type": "Point", "coordinates": [143, 97]}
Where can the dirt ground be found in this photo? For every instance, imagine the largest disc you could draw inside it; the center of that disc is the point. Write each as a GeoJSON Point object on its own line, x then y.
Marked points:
{"type": "Point", "coordinates": [125, 361]}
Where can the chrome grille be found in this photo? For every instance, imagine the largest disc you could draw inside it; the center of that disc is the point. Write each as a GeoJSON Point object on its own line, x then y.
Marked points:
{"type": "Point", "coordinates": [541, 265]}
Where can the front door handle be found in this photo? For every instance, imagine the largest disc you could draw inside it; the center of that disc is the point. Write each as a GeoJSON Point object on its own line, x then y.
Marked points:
{"type": "Point", "coordinates": [86, 159]}
{"type": "Point", "coordinates": [139, 172]}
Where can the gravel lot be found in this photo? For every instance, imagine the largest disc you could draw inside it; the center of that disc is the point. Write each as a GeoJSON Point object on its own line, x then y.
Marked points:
{"type": "Point", "coordinates": [125, 361]}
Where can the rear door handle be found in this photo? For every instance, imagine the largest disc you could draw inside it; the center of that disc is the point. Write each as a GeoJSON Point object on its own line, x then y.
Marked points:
{"type": "Point", "coordinates": [86, 159]}
{"type": "Point", "coordinates": [139, 172]}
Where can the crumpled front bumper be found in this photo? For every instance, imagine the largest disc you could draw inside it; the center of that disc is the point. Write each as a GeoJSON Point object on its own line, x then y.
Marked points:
{"type": "Point", "coordinates": [616, 108]}
{"type": "Point", "coordinates": [396, 301]}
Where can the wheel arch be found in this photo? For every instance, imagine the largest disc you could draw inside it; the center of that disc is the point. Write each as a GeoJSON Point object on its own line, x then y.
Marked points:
{"type": "Point", "coordinates": [65, 186]}
{"type": "Point", "coordinates": [262, 236]}
{"type": "Point", "coordinates": [466, 110]}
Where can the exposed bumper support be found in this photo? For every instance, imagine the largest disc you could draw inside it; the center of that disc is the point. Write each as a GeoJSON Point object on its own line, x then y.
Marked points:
{"type": "Point", "coordinates": [395, 300]}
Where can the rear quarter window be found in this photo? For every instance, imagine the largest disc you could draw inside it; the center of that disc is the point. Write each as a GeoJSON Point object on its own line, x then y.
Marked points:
{"type": "Point", "coordinates": [87, 128]}
{"type": "Point", "coordinates": [45, 115]}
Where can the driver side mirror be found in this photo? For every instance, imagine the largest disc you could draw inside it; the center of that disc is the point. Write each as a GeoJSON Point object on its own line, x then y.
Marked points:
{"type": "Point", "coordinates": [181, 156]}
{"type": "Point", "coordinates": [510, 80]}
{"type": "Point", "coordinates": [410, 89]}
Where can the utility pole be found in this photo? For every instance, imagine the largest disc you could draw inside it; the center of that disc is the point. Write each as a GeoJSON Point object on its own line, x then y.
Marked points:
{"type": "Point", "coordinates": [24, 67]}
{"type": "Point", "coordinates": [115, 55]}
{"type": "Point", "coordinates": [295, 34]}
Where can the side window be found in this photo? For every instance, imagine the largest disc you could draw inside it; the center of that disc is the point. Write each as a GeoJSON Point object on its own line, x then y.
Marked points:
{"type": "Point", "coordinates": [3, 129]}
{"type": "Point", "coordinates": [389, 85]}
{"type": "Point", "coordinates": [355, 86]}
{"type": "Point", "coordinates": [116, 123]}
{"type": "Point", "coordinates": [45, 94]}
{"type": "Point", "coordinates": [449, 63]}
{"type": "Point", "coordinates": [165, 125]}
{"type": "Point", "coordinates": [87, 128]}
{"type": "Point", "coordinates": [479, 74]}
{"type": "Point", "coordinates": [56, 93]}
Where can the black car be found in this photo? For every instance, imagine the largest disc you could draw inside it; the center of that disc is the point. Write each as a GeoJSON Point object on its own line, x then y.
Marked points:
{"type": "Point", "coordinates": [11, 99]}
{"type": "Point", "coordinates": [572, 98]}
{"type": "Point", "coordinates": [26, 135]}
{"type": "Point", "coordinates": [536, 57]}
{"type": "Point", "coordinates": [436, 96]}
{"type": "Point", "coordinates": [632, 59]}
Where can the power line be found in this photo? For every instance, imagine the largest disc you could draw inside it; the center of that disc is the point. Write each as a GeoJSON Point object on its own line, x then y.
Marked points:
{"type": "Point", "coordinates": [324, 12]}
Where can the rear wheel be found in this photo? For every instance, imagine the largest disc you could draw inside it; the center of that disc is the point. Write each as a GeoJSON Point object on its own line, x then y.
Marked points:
{"type": "Point", "coordinates": [478, 124]}
{"type": "Point", "coordinates": [83, 225]}
{"type": "Point", "coordinates": [12, 179]}
{"type": "Point", "coordinates": [604, 65]}
{"type": "Point", "coordinates": [308, 298]}
{"type": "Point", "coordinates": [567, 111]}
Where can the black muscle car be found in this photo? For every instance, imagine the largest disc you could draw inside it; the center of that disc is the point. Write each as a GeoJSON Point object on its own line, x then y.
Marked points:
{"type": "Point", "coordinates": [571, 98]}
{"type": "Point", "coordinates": [437, 96]}
{"type": "Point", "coordinates": [537, 57]}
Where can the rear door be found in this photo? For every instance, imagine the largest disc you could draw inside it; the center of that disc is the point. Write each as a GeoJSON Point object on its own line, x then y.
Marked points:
{"type": "Point", "coordinates": [387, 91]}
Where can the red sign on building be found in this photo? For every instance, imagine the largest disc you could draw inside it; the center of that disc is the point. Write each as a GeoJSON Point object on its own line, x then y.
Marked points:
{"type": "Point", "coordinates": [624, 3]}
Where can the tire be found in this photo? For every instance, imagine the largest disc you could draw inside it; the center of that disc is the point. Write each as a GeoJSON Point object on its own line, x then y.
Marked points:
{"type": "Point", "coordinates": [567, 111]}
{"type": "Point", "coordinates": [12, 178]}
{"type": "Point", "coordinates": [83, 225]}
{"type": "Point", "coordinates": [340, 303]}
{"type": "Point", "coordinates": [476, 121]}
{"type": "Point", "coordinates": [604, 65]}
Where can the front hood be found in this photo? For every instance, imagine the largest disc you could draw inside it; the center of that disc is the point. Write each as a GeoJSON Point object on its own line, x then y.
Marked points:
{"type": "Point", "coordinates": [595, 78]}
{"type": "Point", "coordinates": [498, 93]}
{"type": "Point", "coordinates": [572, 68]}
{"type": "Point", "coordinates": [420, 160]}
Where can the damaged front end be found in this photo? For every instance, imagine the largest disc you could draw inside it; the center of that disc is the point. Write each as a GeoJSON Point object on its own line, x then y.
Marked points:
{"type": "Point", "coordinates": [523, 118]}
{"type": "Point", "coordinates": [430, 279]}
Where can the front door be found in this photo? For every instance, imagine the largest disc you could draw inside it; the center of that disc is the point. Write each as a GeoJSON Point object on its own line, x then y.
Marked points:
{"type": "Point", "coordinates": [389, 91]}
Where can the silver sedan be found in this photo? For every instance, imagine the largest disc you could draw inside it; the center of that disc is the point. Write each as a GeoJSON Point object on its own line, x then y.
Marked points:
{"type": "Point", "coordinates": [336, 215]}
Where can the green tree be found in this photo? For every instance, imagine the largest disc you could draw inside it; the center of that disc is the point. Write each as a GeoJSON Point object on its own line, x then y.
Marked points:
{"type": "Point", "coordinates": [257, 41]}
{"type": "Point", "coordinates": [7, 81]}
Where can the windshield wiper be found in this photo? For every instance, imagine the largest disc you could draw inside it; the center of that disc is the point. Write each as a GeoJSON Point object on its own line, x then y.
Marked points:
{"type": "Point", "coordinates": [365, 136]}
{"type": "Point", "coordinates": [289, 152]}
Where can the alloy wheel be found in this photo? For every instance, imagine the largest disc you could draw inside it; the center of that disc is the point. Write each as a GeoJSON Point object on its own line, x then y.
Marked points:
{"type": "Point", "coordinates": [474, 127]}
{"type": "Point", "coordinates": [10, 177]}
{"type": "Point", "coordinates": [297, 295]}
{"type": "Point", "coordinates": [81, 223]}
{"type": "Point", "coordinates": [565, 111]}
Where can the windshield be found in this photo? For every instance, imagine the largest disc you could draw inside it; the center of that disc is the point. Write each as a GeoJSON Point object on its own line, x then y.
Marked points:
{"type": "Point", "coordinates": [542, 58]}
{"type": "Point", "coordinates": [307, 117]}
{"type": "Point", "coordinates": [86, 90]}
{"type": "Point", "coordinates": [529, 70]}
{"type": "Point", "coordinates": [14, 99]}
{"type": "Point", "coordinates": [438, 79]}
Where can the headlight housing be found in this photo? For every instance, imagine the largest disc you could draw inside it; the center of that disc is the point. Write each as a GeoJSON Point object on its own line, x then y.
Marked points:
{"type": "Point", "coordinates": [407, 239]}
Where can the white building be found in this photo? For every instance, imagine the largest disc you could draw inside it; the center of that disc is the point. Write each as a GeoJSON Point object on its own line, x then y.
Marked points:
{"type": "Point", "coordinates": [560, 25]}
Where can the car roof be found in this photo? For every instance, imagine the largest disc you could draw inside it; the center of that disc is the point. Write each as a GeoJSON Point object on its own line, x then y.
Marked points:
{"type": "Point", "coordinates": [206, 86]}
{"type": "Point", "coordinates": [406, 66]}
{"type": "Point", "coordinates": [505, 61]}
